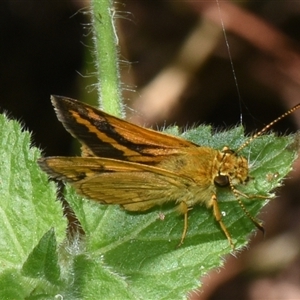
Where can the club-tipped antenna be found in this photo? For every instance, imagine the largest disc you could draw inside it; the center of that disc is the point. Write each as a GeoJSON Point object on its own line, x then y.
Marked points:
{"type": "Point", "coordinates": [268, 127]}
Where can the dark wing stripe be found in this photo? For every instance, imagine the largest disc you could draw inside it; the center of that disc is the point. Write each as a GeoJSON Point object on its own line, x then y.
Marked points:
{"type": "Point", "coordinates": [104, 134]}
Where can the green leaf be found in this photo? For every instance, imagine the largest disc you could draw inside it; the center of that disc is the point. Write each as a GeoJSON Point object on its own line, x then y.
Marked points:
{"type": "Point", "coordinates": [122, 255]}
{"type": "Point", "coordinates": [28, 207]}
{"type": "Point", "coordinates": [12, 286]}
{"type": "Point", "coordinates": [42, 262]}
{"type": "Point", "coordinates": [139, 249]}
{"type": "Point", "coordinates": [92, 280]}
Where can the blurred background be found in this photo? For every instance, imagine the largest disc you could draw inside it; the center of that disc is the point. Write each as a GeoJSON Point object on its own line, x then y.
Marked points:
{"type": "Point", "coordinates": [175, 69]}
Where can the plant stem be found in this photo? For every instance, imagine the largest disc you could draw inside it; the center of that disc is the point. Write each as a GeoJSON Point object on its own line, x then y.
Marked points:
{"type": "Point", "coordinates": [106, 57]}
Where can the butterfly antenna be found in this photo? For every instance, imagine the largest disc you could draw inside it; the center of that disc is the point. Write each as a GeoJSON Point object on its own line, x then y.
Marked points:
{"type": "Point", "coordinates": [268, 127]}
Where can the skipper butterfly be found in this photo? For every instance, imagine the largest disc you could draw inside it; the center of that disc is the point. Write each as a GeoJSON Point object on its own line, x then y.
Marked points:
{"type": "Point", "coordinates": [139, 168]}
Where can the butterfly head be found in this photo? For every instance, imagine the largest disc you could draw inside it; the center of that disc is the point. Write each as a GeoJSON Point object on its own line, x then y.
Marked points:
{"type": "Point", "coordinates": [232, 169]}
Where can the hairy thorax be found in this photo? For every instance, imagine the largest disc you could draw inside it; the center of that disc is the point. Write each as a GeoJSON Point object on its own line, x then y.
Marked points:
{"type": "Point", "coordinates": [205, 169]}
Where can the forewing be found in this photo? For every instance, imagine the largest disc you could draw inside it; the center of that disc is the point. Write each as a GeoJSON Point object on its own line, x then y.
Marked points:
{"type": "Point", "coordinates": [136, 187]}
{"type": "Point", "coordinates": [106, 136]}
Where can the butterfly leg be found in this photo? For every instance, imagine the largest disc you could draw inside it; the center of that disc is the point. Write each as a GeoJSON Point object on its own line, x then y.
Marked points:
{"type": "Point", "coordinates": [218, 216]}
{"type": "Point", "coordinates": [237, 194]}
{"type": "Point", "coordinates": [183, 208]}
{"type": "Point", "coordinates": [257, 223]}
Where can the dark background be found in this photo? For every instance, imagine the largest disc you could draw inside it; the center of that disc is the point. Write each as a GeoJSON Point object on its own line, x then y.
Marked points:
{"type": "Point", "coordinates": [46, 49]}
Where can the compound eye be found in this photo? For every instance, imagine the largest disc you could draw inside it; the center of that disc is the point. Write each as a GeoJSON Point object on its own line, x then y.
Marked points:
{"type": "Point", "coordinates": [221, 180]}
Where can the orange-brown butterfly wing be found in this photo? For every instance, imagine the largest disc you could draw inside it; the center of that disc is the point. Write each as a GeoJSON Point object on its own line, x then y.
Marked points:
{"type": "Point", "coordinates": [103, 135]}
{"type": "Point", "coordinates": [134, 186]}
